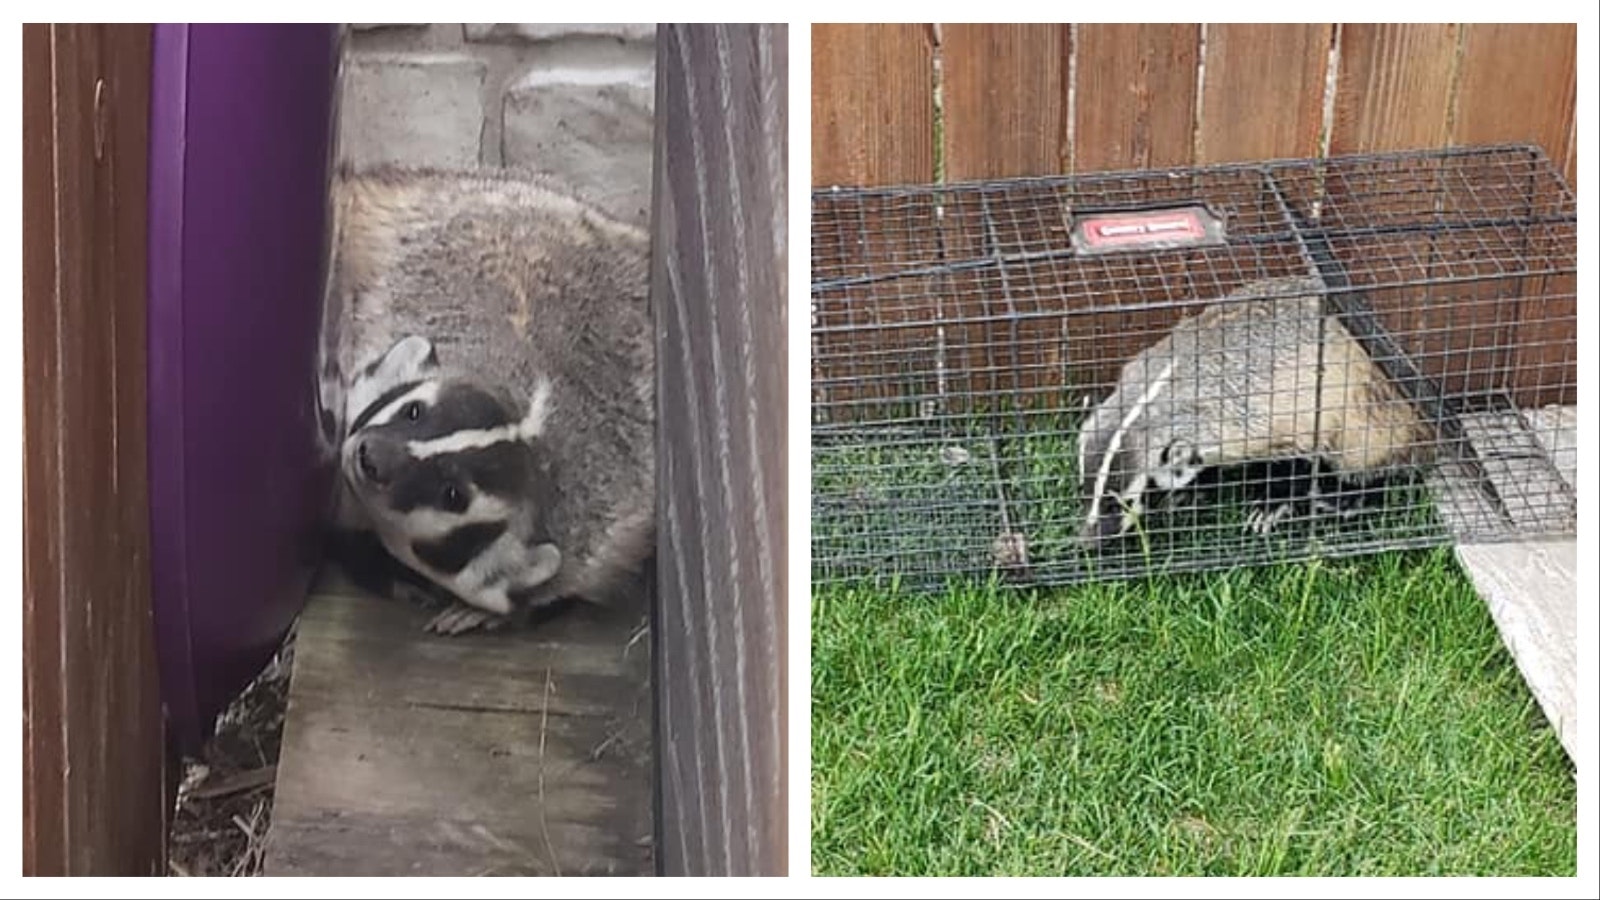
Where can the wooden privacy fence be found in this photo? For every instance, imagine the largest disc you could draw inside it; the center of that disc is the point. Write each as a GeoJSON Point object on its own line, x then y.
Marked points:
{"type": "Point", "coordinates": [889, 103]}
{"type": "Point", "coordinates": [923, 103]}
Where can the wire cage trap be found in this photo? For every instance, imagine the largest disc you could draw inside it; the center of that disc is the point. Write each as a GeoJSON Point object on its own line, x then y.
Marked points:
{"type": "Point", "coordinates": [1103, 376]}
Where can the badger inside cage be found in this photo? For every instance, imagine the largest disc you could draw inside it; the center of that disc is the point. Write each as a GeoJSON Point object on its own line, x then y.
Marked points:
{"type": "Point", "coordinates": [1109, 375]}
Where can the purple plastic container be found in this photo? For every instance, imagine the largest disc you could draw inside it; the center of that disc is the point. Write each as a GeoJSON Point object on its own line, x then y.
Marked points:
{"type": "Point", "coordinates": [241, 131]}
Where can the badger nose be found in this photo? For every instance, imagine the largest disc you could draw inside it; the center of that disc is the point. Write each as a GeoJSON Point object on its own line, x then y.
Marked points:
{"type": "Point", "coordinates": [378, 460]}
{"type": "Point", "coordinates": [1101, 528]}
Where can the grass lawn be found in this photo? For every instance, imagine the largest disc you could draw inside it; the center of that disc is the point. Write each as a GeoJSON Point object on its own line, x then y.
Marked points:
{"type": "Point", "coordinates": [1354, 717]}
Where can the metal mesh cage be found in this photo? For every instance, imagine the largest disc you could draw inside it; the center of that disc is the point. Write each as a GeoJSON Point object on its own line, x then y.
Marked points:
{"type": "Point", "coordinates": [1108, 375]}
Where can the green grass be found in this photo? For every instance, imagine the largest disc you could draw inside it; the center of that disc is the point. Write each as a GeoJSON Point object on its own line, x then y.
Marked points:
{"type": "Point", "coordinates": [1336, 718]}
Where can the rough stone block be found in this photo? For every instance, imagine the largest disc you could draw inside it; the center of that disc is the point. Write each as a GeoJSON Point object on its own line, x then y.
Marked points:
{"type": "Point", "coordinates": [412, 109]}
{"type": "Point", "coordinates": [591, 129]}
{"type": "Point", "coordinates": [636, 31]}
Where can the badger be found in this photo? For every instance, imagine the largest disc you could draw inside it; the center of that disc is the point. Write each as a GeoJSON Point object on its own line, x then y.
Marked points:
{"type": "Point", "coordinates": [489, 372]}
{"type": "Point", "coordinates": [1264, 380]}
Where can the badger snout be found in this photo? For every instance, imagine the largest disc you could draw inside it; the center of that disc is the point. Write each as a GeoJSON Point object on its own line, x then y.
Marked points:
{"type": "Point", "coordinates": [377, 459]}
{"type": "Point", "coordinates": [1106, 523]}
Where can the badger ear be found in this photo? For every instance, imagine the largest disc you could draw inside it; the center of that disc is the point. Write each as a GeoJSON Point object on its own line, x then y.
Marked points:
{"type": "Point", "coordinates": [1181, 452]}
{"type": "Point", "coordinates": [409, 355]}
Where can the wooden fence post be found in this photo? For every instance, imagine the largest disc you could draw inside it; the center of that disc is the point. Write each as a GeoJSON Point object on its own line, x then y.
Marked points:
{"type": "Point", "coordinates": [718, 291]}
{"type": "Point", "coordinates": [94, 786]}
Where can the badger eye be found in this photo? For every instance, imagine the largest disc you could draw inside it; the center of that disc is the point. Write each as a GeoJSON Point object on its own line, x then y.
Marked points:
{"type": "Point", "coordinates": [452, 495]}
{"type": "Point", "coordinates": [412, 411]}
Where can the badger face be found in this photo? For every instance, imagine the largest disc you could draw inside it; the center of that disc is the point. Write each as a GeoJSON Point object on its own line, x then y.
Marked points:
{"type": "Point", "coordinates": [1132, 477]}
{"type": "Point", "coordinates": [453, 478]}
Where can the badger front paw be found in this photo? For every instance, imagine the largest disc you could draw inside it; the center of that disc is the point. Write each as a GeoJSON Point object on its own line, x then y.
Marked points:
{"type": "Point", "coordinates": [1265, 517]}
{"type": "Point", "coordinates": [460, 618]}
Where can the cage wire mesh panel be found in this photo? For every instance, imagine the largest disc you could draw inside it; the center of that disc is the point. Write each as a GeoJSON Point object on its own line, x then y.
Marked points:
{"type": "Point", "coordinates": [1102, 376]}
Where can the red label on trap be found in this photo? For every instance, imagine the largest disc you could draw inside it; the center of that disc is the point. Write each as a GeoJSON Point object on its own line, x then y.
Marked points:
{"type": "Point", "coordinates": [1159, 227]}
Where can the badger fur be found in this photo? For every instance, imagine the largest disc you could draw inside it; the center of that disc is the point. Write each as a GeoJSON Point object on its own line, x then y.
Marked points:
{"type": "Point", "coordinates": [1238, 385]}
{"type": "Point", "coordinates": [489, 359]}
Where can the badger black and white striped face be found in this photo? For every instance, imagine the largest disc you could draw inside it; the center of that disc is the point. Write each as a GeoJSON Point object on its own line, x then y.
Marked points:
{"type": "Point", "coordinates": [1127, 481]}
{"type": "Point", "coordinates": [454, 479]}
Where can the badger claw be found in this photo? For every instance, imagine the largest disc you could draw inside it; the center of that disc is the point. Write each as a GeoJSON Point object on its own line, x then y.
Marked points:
{"type": "Point", "coordinates": [461, 618]}
{"type": "Point", "coordinates": [1263, 519]}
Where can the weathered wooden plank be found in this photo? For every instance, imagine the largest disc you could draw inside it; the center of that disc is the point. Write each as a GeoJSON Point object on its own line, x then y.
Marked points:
{"type": "Point", "coordinates": [1517, 83]}
{"type": "Point", "coordinates": [515, 753]}
{"type": "Point", "coordinates": [718, 289]}
{"type": "Point", "coordinates": [93, 746]}
{"type": "Point", "coordinates": [1393, 93]}
{"type": "Point", "coordinates": [1136, 96]}
{"type": "Point", "coordinates": [1393, 87]}
{"type": "Point", "coordinates": [871, 104]}
{"type": "Point", "coordinates": [1005, 100]}
{"type": "Point", "coordinates": [1572, 155]}
{"type": "Point", "coordinates": [1531, 591]}
{"type": "Point", "coordinates": [43, 754]}
{"type": "Point", "coordinates": [1262, 91]}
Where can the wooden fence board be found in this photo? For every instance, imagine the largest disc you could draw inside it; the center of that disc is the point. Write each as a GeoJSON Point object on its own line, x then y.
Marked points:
{"type": "Point", "coordinates": [1137, 88]}
{"type": "Point", "coordinates": [871, 104]}
{"type": "Point", "coordinates": [43, 755]}
{"type": "Point", "coordinates": [1262, 91]}
{"type": "Point", "coordinates": [1394, 87]}
{"type": "Point", "coordinates": [1005, 100]}
{"type": "Point", "coordinates": [95, 772]}
{"type": "Point", "coordinates": [1517, 83]}
{"type": "Point", "coordinates": [718, 292]}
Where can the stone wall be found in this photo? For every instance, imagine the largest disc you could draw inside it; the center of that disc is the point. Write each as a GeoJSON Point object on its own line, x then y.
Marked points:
{"type": "Point", "coordinates": [571, 101]}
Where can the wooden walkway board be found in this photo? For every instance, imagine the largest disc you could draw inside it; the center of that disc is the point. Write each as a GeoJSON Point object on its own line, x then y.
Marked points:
{"type": "Point", "coordinates": [1531, 589]}
{"type": "Point", "coordinates": [519, 753]}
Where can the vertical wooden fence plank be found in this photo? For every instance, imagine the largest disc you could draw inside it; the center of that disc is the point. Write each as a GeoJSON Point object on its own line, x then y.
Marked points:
{"type": "Point", "coordinates": [1394, 87]}
{"type": "Point", "coordinates": [95, 743]}
{"type": "Point", "coordinates": [1005, 100]}
{"type": "Point", "coordinates": [1136, 95]}
{"type": "Point", "coordinates": [1262, 93]}
{"type": "Point", "coordinates": [871, 104]}
{"type": "Point", "coordinates": [43, 752]}
{"type": "Point", "coordinates": [719, 296]}
{"type": "Point", "coordinates": [1394, 90]}
{"type": "Point", "coordinates": [1517, 83]}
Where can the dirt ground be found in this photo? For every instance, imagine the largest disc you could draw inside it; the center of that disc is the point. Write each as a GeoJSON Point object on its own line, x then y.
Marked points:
{"type": "Point", "coordinates": [219, 826]}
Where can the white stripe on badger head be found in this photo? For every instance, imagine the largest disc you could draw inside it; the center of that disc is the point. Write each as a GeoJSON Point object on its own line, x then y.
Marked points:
{"type": "Point", "coordinates": [1088, 428]}
{"type": "Point", "coordinates": [531, 426]}
{"type": "Point", "coordinates": [1112, 449]}
{"type": "Point", "coordinates": [426, 392]}
{"type": "Point", "coordinates": [425, 524]}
